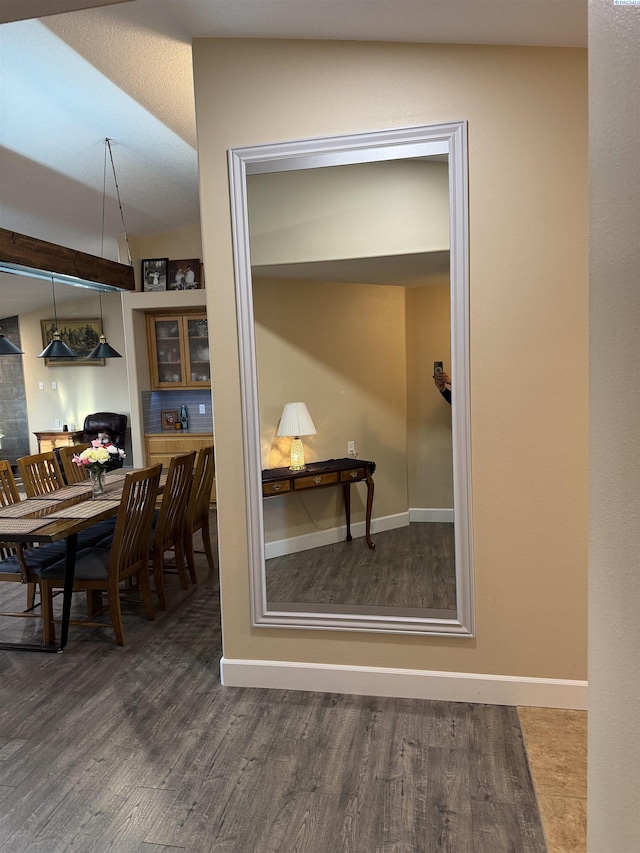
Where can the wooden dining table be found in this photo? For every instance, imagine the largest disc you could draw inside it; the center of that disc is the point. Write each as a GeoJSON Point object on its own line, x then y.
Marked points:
{"type": "Point", "coordinates": [61, 514]}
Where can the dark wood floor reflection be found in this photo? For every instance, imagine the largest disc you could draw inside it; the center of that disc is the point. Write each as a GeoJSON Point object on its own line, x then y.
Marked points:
{"type": "Point", "coordinates": [140, 749]}
{"type": "Point", "coordinates": [411, 566]}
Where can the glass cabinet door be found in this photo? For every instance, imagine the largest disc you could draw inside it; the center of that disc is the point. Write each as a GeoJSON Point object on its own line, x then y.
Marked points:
{"type": "Point", "coordinates": [198, 351]}
{"type": "Point", "coordinates": [168, 356]}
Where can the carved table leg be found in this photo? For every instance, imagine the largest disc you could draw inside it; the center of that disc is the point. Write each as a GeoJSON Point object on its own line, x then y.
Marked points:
{"type": "Point", "coordinates": [369, 507]}
{"type": "Point", "coordinates": [347, 508]}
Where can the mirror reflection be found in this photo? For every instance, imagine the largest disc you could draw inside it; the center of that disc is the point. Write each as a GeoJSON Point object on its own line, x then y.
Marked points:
{"type": "Point", "coordinates": [41, 394]}
{"type": "Point", "coordinates": [344, 272]}
{"type": "Point", "coordinates": [350, 268]}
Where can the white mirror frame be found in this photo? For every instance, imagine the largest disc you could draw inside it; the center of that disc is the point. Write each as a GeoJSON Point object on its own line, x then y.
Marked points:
{"type": "Point", "coordinates": [450, 139]}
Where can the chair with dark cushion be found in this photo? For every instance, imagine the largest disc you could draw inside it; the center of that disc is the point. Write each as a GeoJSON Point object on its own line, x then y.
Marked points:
{"type": "Point", "coordinates": [197, 514]}
{"type": "Point", "coordinates": [168, 530]}
{"type": "Point", "coordinates": [114, 424]}
{"type": "Point", "coordinates": [102, 570]}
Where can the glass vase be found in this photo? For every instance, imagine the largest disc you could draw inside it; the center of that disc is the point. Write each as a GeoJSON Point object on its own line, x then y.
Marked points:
{"type": "Point", "coordinates": [97, 478]}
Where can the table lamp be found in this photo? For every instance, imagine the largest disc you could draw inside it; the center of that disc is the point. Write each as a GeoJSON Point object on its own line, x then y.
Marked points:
{"type": "Point", "coordinates": [296, 421]}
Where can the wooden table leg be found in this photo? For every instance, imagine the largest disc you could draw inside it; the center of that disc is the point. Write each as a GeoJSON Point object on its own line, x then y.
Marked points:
{"type": "Point", "coordinates": [69, 573]}
{"type": "Point", "coordinates": [347, 508]}
{"type": "Point", "coordinates": [369, 507]}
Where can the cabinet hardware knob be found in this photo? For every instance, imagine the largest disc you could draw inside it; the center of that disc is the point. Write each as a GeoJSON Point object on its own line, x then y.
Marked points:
{"type": "Point", "coordinates": [277, 487]}
{"type": "Point", "coordinates": [317, 480]}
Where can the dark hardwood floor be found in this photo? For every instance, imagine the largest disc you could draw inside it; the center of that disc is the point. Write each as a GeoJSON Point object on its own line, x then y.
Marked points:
{"type": "Point", "coordinates": [140, 749]}
{"type": "Point", "coordinates": [411, 567]}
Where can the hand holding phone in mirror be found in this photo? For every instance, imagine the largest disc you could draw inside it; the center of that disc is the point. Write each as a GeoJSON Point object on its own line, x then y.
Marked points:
{"type": "Point", "coordinates": [440, 377]}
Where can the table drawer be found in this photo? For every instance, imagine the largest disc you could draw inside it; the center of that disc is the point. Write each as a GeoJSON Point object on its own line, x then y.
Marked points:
{"type": "Point", "coordinates": [278, 487]}
{"type": "Point", "coordinates": [316, 480]}
{"type": "Point", "coordinates": [353, 475]}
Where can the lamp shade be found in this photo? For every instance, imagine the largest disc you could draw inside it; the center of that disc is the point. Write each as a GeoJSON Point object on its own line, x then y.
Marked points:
{"type": "Point", "coordinates": [296, 421]}
{"type": "Point", "coordinates": [57, 348]}
{"type": "Point", "coordinates": [103, 350]}
{"type": "Point", "coordinates": [7, 347]}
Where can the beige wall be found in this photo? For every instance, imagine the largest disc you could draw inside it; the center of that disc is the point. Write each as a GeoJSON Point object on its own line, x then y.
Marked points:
{"type": "Point", "coordinates": [347, 362]}
{"type": "Point", "coordinates": [527, 117]}
{"type": "Point", "coordinates": [356, 211]}
{"type": "Point", "coordinates": [429, 436]}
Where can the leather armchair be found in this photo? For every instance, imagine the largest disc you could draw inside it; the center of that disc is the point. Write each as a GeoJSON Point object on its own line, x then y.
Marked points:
{"type": "Point", "coordinates": [115, 424]}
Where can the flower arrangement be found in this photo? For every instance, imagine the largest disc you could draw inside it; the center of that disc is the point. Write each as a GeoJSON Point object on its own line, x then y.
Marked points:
{"type": "Point", "coordinates": [95, 457]}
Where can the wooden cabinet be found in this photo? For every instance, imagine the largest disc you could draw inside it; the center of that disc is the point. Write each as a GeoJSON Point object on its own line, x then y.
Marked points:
{"type": "Point", "coordinates": [160, 447]}
{"type": "Point", "coordinates": [178, 350]}
{"type": "Point", "coordinates": [49, 440]}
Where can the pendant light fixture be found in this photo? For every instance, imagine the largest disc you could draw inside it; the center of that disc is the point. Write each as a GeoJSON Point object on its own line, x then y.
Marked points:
{"type": "Point", "coordinates": [57, 348]}
{"type": "Point", "coordinates": [104, 350]}
{"type": "Point", "coordinates": [7, 347]}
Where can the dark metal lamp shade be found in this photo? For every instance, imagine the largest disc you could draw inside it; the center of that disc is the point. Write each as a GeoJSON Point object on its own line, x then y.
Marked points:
{"type": "Point", "coordinates": [104, 350]}
{"type": "Point", "coordinates": [57, 348]}
{"type": "Point", "coordinates": [7, 347]}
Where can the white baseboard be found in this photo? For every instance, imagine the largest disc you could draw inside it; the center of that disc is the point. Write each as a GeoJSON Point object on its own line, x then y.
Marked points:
{"type": "Point", "coordinates": [426, 514]}
{"type": "Point", "coordinates": [281, 547]}
{"type": "Point", "coordinates": [406, 683]}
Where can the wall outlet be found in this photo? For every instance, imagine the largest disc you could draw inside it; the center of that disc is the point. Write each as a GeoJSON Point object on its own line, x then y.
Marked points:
{"type": "Point", "coordinates": [202, 408]}
{"type": "Point", "coordinates": [56, 423]}
{"type": "Point", "coordinates": [40, 386]}
{"type": "Point", "coordinates": [351, 449]}
{"type": "Point", "coordinates": [54, 386]}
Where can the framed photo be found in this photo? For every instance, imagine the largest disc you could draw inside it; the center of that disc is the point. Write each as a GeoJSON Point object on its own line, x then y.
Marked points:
{"type": "Point", "coordinates": [169, 419]}
{"type": "Point", "coordinates": [154, 273]}
{"type": "Point", "coordinates": [184, 275]}
{"type": "Point", "coordinates": [80, 334]}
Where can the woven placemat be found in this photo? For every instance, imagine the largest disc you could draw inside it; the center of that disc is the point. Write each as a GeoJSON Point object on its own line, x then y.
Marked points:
{"type": "Point", "coordinates": [22, 508]}
{"type": "Point", "coordinates": [85, 509]}
{"type": "Point", "coordinates": [9, 527]}
{"type": "Point", "coordinates": [71, 491]}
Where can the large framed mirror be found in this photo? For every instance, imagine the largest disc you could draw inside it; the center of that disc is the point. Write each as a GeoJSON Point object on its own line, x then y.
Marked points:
{"type": "Point", "coordinates": [351, 265]}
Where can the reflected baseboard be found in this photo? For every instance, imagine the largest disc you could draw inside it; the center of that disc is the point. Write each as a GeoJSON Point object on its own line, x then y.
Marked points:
{"type": "Point", "coordinates": [319, 538]}
{"type": "Point", "coordinates": [431, 515]}
{"type": "Point", "coordinates": [405, 683]}
{"type": "Point", "coordinates": [282, 547]}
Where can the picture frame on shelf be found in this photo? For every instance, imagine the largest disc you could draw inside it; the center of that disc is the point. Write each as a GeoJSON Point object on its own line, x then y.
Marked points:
{"type": "Point", "coordinates": [184, 274]}
{"type": "Point", "coordinates": [81, 334]}
{"type": "Point", "coordinates": [154, 273]}
{"type": "Point", "coordinates": [169, 419]}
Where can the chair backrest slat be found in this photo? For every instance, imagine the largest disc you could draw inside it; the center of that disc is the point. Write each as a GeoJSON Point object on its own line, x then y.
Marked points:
{"type": "Point", "coordinates": [74, 473]}
{"type": "Point", "coordinates": [198, 505]}
{"type": "Point", "coordinates": [170, 521]}
{"type": "Point", "coordinates": [130, 545]}
{"type": "Point", "coordinates": [40, 474]}
{"type": "Point", "coordinates": [8, 490]}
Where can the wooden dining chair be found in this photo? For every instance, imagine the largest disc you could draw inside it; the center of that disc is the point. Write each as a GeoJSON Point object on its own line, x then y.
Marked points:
{"type": "Point", "coordinates": [167, 533]}
{"type": "Point", "coordinates": [40, 474]}
{"type": "Point", "coordinates": [18, 562]}
{"type": "Point", "coordinates": [8, 489]}
{"type": "Point", "coordinates": [73, 473]}
{"type": "Point", "coordinates": [197, 514]}
{"type": "Point", "coordinates": [102, 570]}
{"type": "Point", "coordinates": [12, 565]}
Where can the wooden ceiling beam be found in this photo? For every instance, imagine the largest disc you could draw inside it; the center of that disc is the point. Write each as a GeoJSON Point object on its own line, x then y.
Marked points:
{"type": "Point", "coordinates": [31, 253]}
